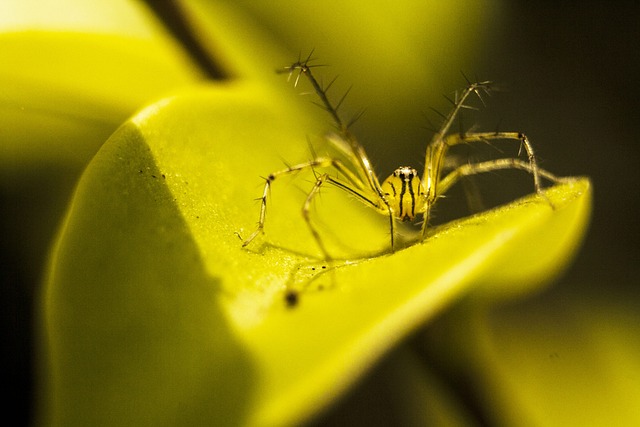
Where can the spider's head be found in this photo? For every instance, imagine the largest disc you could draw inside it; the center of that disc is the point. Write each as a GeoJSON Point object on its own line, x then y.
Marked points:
{"type": "Point", "coordinates": [403, 190]}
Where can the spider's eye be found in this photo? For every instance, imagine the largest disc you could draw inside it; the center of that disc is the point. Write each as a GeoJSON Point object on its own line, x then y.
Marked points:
{"type": "Point", "coordinates": [405, 173]}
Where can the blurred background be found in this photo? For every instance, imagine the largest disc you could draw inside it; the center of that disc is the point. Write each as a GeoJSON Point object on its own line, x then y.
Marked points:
{"type": "Point", "coordinates": [568, 74]}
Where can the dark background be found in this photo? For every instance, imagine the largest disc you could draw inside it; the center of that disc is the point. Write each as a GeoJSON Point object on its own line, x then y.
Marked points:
{"type": "Point", "coordinates": [576, 68]}
{"type": "Point", "coordinates": [572, 70]}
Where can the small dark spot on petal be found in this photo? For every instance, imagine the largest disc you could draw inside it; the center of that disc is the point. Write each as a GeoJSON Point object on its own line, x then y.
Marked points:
{"type": "Point", "coordinates": [292, 298]}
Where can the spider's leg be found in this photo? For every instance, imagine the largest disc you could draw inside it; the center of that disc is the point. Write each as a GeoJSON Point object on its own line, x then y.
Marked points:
{"type": "Point", "coordinates": [488, 137]}
{"type": "Point", "coordinates": [321, 179]}
{"type": "Point", "coordinates": [349, 183]}
{"type": "Point", "coordinates": [304, 67]}
{"type": "Point", "coordinates": [392, 231]}
{"type": "Point", "coordinates": [372, 200]}
{"type": "Point", "coordinates": [488, 166]}
{"type": "Point", "coordinates": [470, 186]}
{"type": "Point", "coordinates": [425, 221]}
{"type": "Point", "coordinates": [436, 152]}
{"type": "Point", "coordinates": [317, 163]}
{"type": "Point", "coordinates": [459, 103]}
{"type": "Point", "coordinates": [358, 154]}
{"type": "Point", "coordinates": [492, 165]}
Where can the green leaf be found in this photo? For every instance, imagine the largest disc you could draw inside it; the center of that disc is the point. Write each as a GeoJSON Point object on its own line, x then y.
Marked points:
{"type": "Point", "coordinates": [154, 313]}
{"type": "Point", "coordinates": [565, 358]}
{"type": "Point", "coordinates": [73, 73]}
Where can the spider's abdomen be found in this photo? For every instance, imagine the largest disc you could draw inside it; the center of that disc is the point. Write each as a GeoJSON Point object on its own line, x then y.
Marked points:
{"type": "Point", "coordinates": [404, 192]}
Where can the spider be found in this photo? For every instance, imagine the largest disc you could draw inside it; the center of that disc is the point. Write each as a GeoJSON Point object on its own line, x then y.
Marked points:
{"type": "Point", "coordinates": [404, 194]}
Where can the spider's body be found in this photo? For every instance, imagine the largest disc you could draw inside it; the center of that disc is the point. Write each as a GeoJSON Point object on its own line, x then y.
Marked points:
{"type": "Point", "coordinates": [404, 194]}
